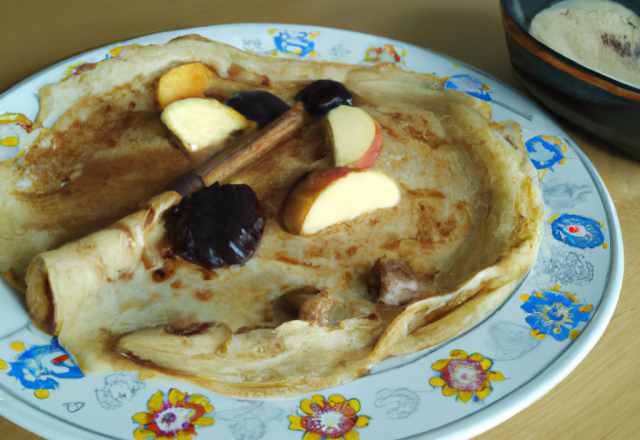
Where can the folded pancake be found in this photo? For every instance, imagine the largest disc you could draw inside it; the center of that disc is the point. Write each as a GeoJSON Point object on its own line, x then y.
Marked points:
{"type": "Point", "coordinates": [103, 149]}
{"type": "Point", "coordinates": [300, 315]}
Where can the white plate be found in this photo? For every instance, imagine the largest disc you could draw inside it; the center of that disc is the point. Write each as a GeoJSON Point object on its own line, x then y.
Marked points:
{"type": "Point", "coordinates": [579, 270]}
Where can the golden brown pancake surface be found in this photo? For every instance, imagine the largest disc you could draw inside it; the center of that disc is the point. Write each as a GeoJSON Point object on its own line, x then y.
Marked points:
{"type": "Point", "coordinates": [300, 315]}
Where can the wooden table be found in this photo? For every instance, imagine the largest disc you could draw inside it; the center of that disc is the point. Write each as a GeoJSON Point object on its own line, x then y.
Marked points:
{"type": "Point", "coordinates": [600, 398]}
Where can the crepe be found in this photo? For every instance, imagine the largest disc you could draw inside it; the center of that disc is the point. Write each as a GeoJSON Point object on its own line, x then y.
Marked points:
{"type": "Point", "coordinates": [301, 315]}
{"type": "Point", "coordinates": [103, 148]}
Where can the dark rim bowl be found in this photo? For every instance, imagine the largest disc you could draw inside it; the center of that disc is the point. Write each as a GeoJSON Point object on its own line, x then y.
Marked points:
{"type": "Point", "coordinates": [601, 105]}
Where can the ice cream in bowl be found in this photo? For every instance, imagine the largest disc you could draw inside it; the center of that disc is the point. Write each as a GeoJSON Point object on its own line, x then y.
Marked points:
{"type": "Point", "coordinates": [581, 58]}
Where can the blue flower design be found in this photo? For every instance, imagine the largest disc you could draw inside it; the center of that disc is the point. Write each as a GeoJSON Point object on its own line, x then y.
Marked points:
{"type": "Point", "coordinates": [577, 231]}
{"type": "Point", "coordinates": [545, 152]}
{"type": "Point", "coordinates": [469, 85]}
{"type": "Point", "coordinates": [554, 314]}
{"type": "Point", "coordinates": [294, 43]}
{"type": "Point", "coordinates": [40, 366]}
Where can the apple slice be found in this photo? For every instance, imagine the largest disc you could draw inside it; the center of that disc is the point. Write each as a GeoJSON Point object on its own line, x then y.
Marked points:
{"type": "Point", "coordinates": [355, 137]}
{"type": "Point", "coordinates": [196, 80]}
{"type": "Point", "coordinates": [184, 81]}
{"type": "Point", "coordinates": [325, 197]}
{"type": "Point", "coordinates": [203, 124]}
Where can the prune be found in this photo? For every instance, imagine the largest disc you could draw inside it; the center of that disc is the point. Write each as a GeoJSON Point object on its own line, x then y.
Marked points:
{"type": "Point", "coordinates": [322, 96]}
{"type": "Point", "coordinates": [258, 105]}
{"type": "Point", "coordinates": [217, 226]}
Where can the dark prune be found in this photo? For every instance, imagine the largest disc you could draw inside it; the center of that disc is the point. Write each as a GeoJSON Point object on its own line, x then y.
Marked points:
{"type": "Point", "coordinates": [258, 105]}
{"type": "Point", "coordinates": [322, 96]}
{"type": "Point", "coordinates": [217, 226]}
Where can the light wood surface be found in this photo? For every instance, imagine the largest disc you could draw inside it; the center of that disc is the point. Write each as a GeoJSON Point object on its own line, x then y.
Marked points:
{"type": "Point", "coordinates": [600, 398]}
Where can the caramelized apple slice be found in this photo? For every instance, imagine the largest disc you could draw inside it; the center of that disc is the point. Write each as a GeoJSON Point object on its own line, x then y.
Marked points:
{"type": "Point", "coordinates": [196, 80]}
{"type": "Point", "coordinates": [326, 197]}
{"type": "Point", "coordinates": [355, 137]}
{"type": "Point", "coordinates": [203, 124]}
{"type": "Point", "coordinates": [184, 81]}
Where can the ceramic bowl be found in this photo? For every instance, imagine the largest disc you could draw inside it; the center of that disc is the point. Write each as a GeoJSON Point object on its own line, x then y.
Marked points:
{"type": "Point", "coordinates": [599, 104]}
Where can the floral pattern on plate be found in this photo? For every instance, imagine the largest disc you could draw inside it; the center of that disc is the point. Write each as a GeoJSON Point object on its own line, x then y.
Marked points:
{"type": "Point", "coordinates": [466, 377]}
{"type": "Point", "coordinates": [555, 314]}
{"type": "Point", "coordinates": [385, 54]}
{"type": "Point", "coordinates": [39, 367]}
{"type": "Point", "coordinates": [297, 43]}
{"type": "Point", "coordinates": [545, 152]}
{"type": "Point", "coordinates": [334, 418]}
{"type": "Point", "coordinates": [174, 416]}
{"type": "Point", "coordinates": [469, 85]}
{"type": "Point", "coordinates": [578, 231]}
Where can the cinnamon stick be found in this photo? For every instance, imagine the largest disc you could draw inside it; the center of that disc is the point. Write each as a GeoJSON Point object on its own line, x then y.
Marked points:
{"type": "Point", "coordinates": [226, 163]}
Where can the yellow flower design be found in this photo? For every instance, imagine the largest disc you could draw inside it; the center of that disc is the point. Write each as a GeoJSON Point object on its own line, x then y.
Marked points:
{"type": "Point", "coordinates": [332, 419]}
{"type": "Point", "coordinates": [175, 416]}
{"type": "Point", "coordinates": [385, 54]}
{"type": "Point", "coordinates": [15, 118]}
{"type": "Point", "coordinates": [465, 376]}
